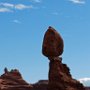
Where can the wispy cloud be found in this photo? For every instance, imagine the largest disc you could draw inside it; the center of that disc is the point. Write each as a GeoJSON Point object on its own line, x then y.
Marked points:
{"type": "Point", "coordinates": [78, 1]}
{"type": "Point", "coordinates": [5, 10]}
{"type": "Point", "coordinates": [22, 6]}
{"type": "Point", "coordinates": [8, 7]}
{"type": "Point", "coordinates": [16, 21]}
{"type": "Point", "coordinates": [85, 81]}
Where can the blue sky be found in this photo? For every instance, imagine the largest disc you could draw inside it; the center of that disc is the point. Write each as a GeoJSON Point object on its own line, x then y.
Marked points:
{"type": "Point", "coordinates": [22, 27]}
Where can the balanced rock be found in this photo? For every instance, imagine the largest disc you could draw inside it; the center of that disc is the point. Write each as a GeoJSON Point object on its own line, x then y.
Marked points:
{"type": "Point", "coordinates": [52, 43]}
{"type": "Point", "coordinates": [59, 74]}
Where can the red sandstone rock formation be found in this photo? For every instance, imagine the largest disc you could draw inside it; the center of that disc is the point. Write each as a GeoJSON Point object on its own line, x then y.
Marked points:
{"type": "Point", "coordinates": [60, 77]}
{"type": "Point", "coordinates": [40, 85]}
{"type": "Point", "coordinates": [13, 81]}
{"type": "Point", "coordinates": [52, 43]}
{"type": "Point", "coordinates": [59, 74]}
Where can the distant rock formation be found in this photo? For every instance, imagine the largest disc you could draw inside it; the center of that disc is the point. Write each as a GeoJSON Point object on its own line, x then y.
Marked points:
{"type": "Point", "coordinates": [12, 80]}
{"type": "Point", "coordinates": [59, 74]}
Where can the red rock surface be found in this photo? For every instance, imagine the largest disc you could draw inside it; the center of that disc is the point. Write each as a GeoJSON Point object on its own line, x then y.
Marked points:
{"type": "Point", "coordinates": [59, 74]}
{"type": "Point", "coordinates": [87, 88]}
{"type": "Point", "coordinates": [40, 85]}
{"type": "Point", "coordinates": [60, 77]}
{"type": "Point", "coordinates": [12, 80]}
{"type": "Point", "coordinates": [52, 43]}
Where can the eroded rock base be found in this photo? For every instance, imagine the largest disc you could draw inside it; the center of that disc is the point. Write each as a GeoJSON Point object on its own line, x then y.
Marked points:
{"type": "Point", "coordinates": [60, 77]}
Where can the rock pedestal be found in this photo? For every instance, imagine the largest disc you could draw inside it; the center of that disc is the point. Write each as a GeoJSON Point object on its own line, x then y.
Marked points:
{"type": "Point", "coordinates": [60, 77]}
{"type": "Point", "coordinates": [59, 74]}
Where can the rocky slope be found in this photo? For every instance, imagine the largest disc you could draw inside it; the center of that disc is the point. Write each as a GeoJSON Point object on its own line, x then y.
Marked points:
{"type": "Point", "coordinates": [40, 85]}
{"type": "Point", "coordinates": [12, 80]}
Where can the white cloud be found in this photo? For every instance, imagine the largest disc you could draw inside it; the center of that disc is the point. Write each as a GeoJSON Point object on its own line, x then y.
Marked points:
{"type": "Point", "coordinates": [78, 1]}
{"type": "Point", "coordinates": [8, 7]}
{"type": "Point", "coordinates": [5, 10]}
{"type": "Point", "coordinates": [16, 21]}
{"type": "Point", "coordinates": [85, 81]}
{"type": "Point", "coordinates": [22, 6]}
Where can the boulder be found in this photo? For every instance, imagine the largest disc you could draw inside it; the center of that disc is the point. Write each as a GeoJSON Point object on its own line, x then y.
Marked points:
{"type": "Point", "coordinates": [52, 43]}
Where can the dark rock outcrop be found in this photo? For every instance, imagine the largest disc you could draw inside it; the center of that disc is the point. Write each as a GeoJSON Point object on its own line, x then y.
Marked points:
{"type": "Point", "coordinates": [87, 88]}
{"type": "Point", "coordinates": [59, 74]}
{"type": "Point", "coordinates": [52, 43]}
{"type": "Point", "coordinates": [40, 85]}
{"type": "Point", "coordinates": [60, 77]}
{"type": "Point", "coordinates": [12, 80]}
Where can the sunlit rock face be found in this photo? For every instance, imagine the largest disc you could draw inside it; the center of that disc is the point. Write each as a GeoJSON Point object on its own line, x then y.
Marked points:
{"type": "Point", "coordinates": [59, 74]}
{"type": "Point", "coordinates": [60, 77]}
{"type": "Point", "coordinates": [12, 80]}
{"type": "Point", "coordinates": [52, 43]}
{"type": "Point", "coordinates": [40, 85]}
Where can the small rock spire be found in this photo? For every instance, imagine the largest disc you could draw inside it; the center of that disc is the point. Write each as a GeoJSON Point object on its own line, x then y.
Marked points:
{"type": "Point", "coordinates": [5, 70]}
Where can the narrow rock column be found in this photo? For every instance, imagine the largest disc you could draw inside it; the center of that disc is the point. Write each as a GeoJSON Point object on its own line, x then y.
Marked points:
{"type": "Point", "coordinates": [54, 74]}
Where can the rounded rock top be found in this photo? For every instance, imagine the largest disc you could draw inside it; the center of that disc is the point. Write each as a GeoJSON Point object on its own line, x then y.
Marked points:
{"type": "Point", "coordinates": [52, 43]}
